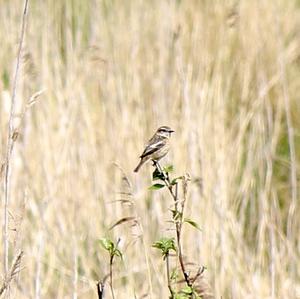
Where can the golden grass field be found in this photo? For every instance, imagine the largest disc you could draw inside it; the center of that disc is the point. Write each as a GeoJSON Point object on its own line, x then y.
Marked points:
{"type": "Point", "coordinates": [225, 75]}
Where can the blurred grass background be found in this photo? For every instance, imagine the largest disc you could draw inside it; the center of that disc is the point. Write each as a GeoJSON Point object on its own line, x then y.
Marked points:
{"type": "Point", "coordinates": [224, 74]}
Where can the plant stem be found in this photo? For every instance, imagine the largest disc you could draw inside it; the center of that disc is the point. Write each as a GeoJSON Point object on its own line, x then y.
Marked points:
{"type": "Point", "coordinates": [111, 276]}
{"type": "Point", "coordinates": [178, 224]}
{"type": "Point", "coordinates": [168, 276]}
{"type": "Point", "coordinates": [100, 289]}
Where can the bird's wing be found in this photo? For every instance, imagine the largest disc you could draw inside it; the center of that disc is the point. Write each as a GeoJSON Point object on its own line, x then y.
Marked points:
{"type": "Point", "coordinates": [153, 146]}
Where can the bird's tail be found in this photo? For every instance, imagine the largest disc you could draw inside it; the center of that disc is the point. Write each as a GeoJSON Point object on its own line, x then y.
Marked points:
{"type": "Point", "coordinates": [139, 165]}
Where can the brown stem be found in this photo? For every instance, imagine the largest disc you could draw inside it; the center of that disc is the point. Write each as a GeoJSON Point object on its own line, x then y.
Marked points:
{"type": "Point", "coordinates": [178, 224]}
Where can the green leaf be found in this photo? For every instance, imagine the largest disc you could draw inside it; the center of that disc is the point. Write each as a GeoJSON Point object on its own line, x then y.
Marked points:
{"type": "Point", "coordinates": [165, 245]}
{"type": "Point", "coordinates": [156, 186]}
{"type": "Point", "coordinates": [187, 290]}
{"type": "Point", "coordinates": [192, 223]}
{"type": "Point", "coordinates": [106, 244]}
{"type": "Point", "coordinates": [168, 168]}
{"type": "Point", "coordinates": [187, 293]}
{"type": "Point", "coordinates": [111, 247]}
{"type": "Point", "coordinates": [157, 175]}
{"type": "Point", "coordinates": [174, 181]}
{"type": "Point", "coordinates": [181, 295]}
{"type": "Point", "coordinates": [174, 275]}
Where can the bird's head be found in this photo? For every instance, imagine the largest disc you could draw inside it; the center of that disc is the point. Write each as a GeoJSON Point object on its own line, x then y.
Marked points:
{"type": "Point", "coordinates": [164, 131]}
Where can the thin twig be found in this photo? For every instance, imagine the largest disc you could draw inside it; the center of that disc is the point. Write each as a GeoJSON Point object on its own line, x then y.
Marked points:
{"type": "Point", "coordinates": [111, 271]}
{"type": "Point", "coordinates": [10, 141]}
{"type": "Point", "coordinates": [111, 276]}
{"type": "Point", "coordinates": [199, 272]}
{"type": "Point", "coordinates": [168, 276]}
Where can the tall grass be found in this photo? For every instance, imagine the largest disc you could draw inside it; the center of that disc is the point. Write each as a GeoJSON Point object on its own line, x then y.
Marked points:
{"type": "Point", "coordinates": [224, 75]}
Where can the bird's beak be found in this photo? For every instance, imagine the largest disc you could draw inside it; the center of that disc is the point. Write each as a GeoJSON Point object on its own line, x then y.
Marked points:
{"type": "Point", "coordinates": [171, 131]}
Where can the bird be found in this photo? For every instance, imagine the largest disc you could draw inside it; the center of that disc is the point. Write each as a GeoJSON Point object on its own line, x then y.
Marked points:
{"type": "Point", "coordinates": [157, 147]}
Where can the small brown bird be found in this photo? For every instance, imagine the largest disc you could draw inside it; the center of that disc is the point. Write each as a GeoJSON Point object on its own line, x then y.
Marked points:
{"type": "Point", "coordinates": [157, 147]}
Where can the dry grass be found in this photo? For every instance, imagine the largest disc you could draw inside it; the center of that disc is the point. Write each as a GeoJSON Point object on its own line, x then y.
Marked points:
{"type": "Point", "coordinates": [226, 77]}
